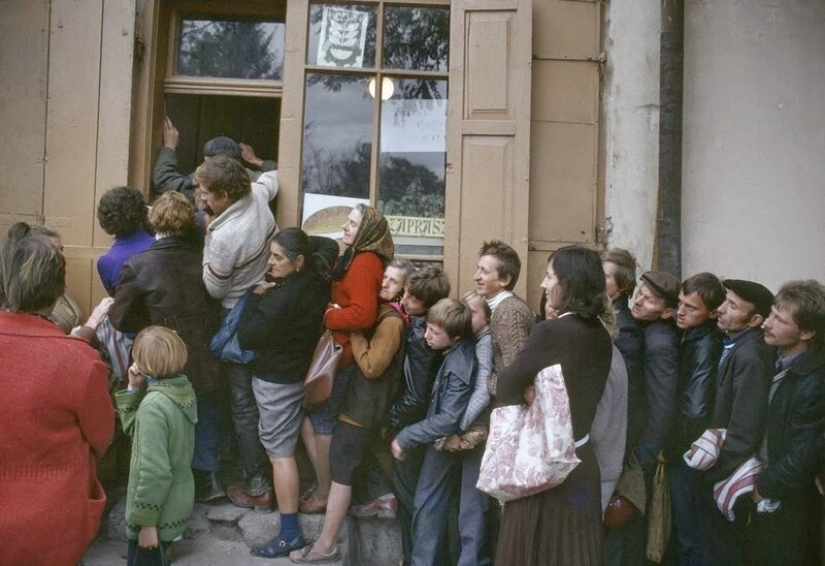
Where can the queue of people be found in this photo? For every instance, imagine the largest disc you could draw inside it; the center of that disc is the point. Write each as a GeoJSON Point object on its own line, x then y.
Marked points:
{"type": "Point", "coordinates": [717, 386]}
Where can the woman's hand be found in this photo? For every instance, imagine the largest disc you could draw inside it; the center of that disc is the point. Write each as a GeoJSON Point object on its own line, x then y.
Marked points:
{"type": "Point", "coordinates": [263, 287]}
{"type": "Point", "coordinates": [148, 537]}
{"type": "Point", "coordinates": [100, 312]}
{"type": "Point", "coordinates": [397, 451]}
{"type": "Point", "coordinates": [137, 378]}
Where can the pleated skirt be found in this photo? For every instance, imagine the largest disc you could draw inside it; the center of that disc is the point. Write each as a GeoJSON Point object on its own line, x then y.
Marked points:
{"type": "Point", "coordinates": [561, 526]}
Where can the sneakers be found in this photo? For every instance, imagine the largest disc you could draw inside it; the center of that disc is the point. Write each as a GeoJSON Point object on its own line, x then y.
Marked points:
{"type": "Point", "coordinates": [383, 507]}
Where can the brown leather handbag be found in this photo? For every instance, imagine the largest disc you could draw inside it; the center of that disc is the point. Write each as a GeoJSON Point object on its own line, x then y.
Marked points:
{"type": "Point", "coordinates": [321, 373]}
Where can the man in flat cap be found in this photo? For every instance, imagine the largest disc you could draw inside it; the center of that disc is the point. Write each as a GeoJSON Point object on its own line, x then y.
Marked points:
{"type": "Point", "coordinates": [744, 378]}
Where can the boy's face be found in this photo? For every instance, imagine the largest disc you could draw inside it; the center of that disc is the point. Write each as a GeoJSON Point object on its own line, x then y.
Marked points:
{"type": "Point", "coordinates": [478, 318]}
{"type": "Point", "coordinates": [412, 305]}
{"type": "Point", "coordinates": [437, 338]}
{"type": "Point", "coordinates": [692, 311]}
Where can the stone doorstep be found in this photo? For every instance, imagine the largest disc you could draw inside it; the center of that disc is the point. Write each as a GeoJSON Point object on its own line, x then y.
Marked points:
{"type": "Point", "coordinates": [373, 542]}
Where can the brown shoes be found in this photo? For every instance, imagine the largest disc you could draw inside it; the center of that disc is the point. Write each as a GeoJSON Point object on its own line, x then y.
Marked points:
{"type": "Point", "coordinates": [312, 505]}
{"type": "Point", "coordinates": [239, 497]}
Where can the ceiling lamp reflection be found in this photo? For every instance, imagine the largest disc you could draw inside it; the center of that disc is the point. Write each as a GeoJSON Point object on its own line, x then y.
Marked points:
{"type": "Point", "coordinates": [387, 88]}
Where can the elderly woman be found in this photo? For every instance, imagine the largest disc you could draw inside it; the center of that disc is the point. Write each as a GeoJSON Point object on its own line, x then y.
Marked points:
{"type": "Point", "coordinates": [282, 323]}
{"type": "Point", "coordinates": [356, 283]}
{"type": "Point", "coordinates": [57, 417]}
{"type": "Point", "coordinates": [122, 213]}
{"type": "Point", "coordinates": [562, 525]}
{"type": "Point", "coordinates": [164, 286]}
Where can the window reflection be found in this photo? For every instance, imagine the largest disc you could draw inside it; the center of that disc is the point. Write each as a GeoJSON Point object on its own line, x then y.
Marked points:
{"type": "Point", "coordinates": [416, 38]}
{"type": "Point", "coordinates": [412, 165]}
{"type": "Point", "coordinates": [230, 48]}
{"type": "Point", "coordinates": [337, 135]}
{"type": "Point", "coordinates": [341, 35]}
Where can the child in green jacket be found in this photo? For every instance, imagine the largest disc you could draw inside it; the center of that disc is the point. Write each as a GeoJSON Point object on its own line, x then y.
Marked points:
{"type": "Point", "coordinates": [159, 411]}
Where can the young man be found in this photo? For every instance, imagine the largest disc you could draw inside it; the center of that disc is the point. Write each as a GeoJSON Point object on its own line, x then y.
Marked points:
{"type": "Point", "coordinates": [423, 289]}
{"type": "Point", "coordinates": [448, 330]}
{"type": "Point", "coordinates": [701, 347]}
{"type": "Point", "coordinates": [790, 452]}
{"type": "Point", "coordinates": [744, 377]}
{"type": "Point", "coordinates": [239, 229]}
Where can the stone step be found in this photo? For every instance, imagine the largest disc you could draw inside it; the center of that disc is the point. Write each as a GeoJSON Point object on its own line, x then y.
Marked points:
{"type": "Point", "coordinates": [361, 541]}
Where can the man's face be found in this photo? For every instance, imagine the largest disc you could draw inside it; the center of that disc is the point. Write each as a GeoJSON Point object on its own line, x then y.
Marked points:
{"type": "Point", "coordinates": [692, 311]}
{"type": "Point", "coordinates": [216, 203]}
{"type": "Point", "coordinates": [393, 283]}
{"type": "Point", "coordinates": [437, 338]}
{"type": "Point", "coordinates": [648, 306]}
{"type": "Point", "coordinates": [487, 280]}
{"type": "Point", "coordinates": [736, 315]}
{"type": "Point", "coordinates": [782, 331]}
{"type": "Point", "coordinates": [412, 305]}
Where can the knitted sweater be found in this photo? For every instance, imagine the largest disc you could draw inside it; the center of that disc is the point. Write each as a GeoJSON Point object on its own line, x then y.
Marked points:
{"type": "Point", "coordinates": [357, 296]}
{"type": "Point", "coordinates": [161, 421]}
{"type": "Point", "coordinates": [236, 247]}
{"type": "Point", "coordinates": [510, 326]}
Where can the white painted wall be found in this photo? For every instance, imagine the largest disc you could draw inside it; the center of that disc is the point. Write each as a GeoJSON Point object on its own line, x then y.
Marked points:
{"type": "Point", "coordinates": [754, 139]}
{"type": "Point", "coordinates": [630, 106]}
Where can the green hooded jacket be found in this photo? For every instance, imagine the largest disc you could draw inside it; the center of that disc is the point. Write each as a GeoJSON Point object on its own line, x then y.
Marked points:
{"type": "Point", "coordinates": [161, 422]}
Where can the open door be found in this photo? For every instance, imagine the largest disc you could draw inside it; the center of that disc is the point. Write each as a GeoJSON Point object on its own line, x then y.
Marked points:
{"type": "Point", "coordinates": [488, 160]}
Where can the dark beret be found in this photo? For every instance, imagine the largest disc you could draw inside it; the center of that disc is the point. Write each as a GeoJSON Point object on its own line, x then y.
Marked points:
{"type": "Point", "coordinates": [664, 284]}
{"type": "Point", "coordinates": [222, 145]}
{"type": "Point", "coordinates": [758, 295]}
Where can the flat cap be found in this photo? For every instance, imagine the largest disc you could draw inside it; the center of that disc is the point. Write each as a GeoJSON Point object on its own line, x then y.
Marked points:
{"type": "Point", "coordinates": [664, 284]}
{"type": "Point", "coordinates": [756, 294]}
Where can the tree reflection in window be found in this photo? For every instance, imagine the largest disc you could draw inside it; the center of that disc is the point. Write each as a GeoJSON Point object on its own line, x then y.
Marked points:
{"type": "Point", "coordinates": [230, 48]}
{"type": "Point", "coordinates": [416, 39]}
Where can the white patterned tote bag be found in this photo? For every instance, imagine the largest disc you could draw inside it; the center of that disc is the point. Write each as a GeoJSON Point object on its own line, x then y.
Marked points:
{"type": "Point", "coordinates": [530, 448]}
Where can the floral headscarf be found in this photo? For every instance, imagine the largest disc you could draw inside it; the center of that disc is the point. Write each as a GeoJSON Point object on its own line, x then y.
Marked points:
{"type": "Point", "coordinates": [373, 236]}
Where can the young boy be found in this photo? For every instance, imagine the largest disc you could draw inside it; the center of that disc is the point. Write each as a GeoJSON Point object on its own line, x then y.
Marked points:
{"type": "Point", "coordinates": [699, 297]}
{"type": "Point", "coordinates": [423, 289]}
{"type": "Point", "coordinates": [449, 330]}
{"type": "Point", "coordinates": [161, 420]}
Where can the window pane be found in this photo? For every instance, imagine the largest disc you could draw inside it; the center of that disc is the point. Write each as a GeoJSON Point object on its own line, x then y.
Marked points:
{"type": "Point", "coordinates": [413, 164]}
{"type": "Point", "coordinates": [230, 48]}
{"type": "Point", "coordinates": [341, 35]}
{"type": "Point", "coordinates": [337, 135]}
{"type": "Point", "coordinates": [416, 38]}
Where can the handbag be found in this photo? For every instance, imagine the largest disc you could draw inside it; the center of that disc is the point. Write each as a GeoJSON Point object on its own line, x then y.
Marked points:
{"type": "Point", "coordinates": [321, 373]}
{"type": "Point", "coordinates": [225, 344]}
{"type": "Point", "coordinates": [530, 449]}
{"type": "Point", "coordinates": [658, 526]}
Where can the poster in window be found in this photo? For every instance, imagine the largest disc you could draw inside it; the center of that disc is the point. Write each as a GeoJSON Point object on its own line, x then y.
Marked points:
{"type": "Point", "coordinates": [343, 37]}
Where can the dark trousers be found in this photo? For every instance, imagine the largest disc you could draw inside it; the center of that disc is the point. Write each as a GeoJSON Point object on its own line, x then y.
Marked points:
{"type": "Point", "coordinates": [727, 543]}
{"type": "Point", "coordinates": [404, 482]}
{"type": "Point", "coordinates": [136, 556]}
{"type": "Point", "coordinates": [474, 513]}
{"type": "Point", "coordinates": [439, 472]}
{"type": "Point", "coordinates": [207, 456]}
{"type": "Point", "coordinates": [245, 419]}
{"type": "Point", "coordinates": [791, 535]}
{"type": "Point", "coordinates": [685, 490]}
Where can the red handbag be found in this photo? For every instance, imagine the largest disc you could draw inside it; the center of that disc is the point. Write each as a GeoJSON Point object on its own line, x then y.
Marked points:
{"type": "Point", "coordinates": [321, 373]}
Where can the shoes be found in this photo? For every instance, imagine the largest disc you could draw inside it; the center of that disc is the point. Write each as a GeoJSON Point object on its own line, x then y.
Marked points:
{"type": "Point", "coordinates": [240, 498]}
{"type": "Point", "coordinates": [313, 505]}
{"type": "Point", "coordinates": [257, 486]}
{"type": "Point", "coordinates": [383, 507]}
{"type": "Point", "coordinates": [278, 548]}
{"type": "Point", "coordinates": [208, 487]}
{"type": "Point", "coordinates": [310, 555]}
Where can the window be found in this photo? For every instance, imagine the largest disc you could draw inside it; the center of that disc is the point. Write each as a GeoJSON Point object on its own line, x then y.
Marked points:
{"type": "Point", "coordinates": [222, 75]}
{"type": "Point", "coordinates": [375, 119]}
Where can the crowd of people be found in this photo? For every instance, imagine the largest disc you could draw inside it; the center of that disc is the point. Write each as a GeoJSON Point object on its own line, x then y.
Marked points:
{"type": "Point", "coordinates": [716, 385]}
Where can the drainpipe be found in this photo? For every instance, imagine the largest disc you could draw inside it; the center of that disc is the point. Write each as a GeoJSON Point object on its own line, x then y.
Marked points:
{"type": "Point", "coordinates": [667, 251]}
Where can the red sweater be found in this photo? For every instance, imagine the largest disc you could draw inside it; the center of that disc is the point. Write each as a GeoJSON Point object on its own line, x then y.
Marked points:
{"type": "Point", "coordinates": [56, 420]}
{"type": "Point", "coordinates": [357, 295]}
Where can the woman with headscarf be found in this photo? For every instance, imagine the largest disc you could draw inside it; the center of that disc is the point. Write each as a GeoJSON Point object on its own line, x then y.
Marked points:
{"type": "Point", "coordinates": [57, 417]}
{"type": "Point", "coordinates": [356, 283]}
{"type": "Point", "coordinates": [163, 285]}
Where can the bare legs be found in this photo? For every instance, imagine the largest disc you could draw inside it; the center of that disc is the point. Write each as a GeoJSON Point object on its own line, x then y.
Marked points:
{"type": "Point", "coordinates": [285, 478]}
{"type": "Point", "coordinates": [317, 446]}
{"type": "Point", "coordinates": [337, 506]}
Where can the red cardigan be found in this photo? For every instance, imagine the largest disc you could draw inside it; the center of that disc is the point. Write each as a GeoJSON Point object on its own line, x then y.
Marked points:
{"type": "Point", "coordinates": [56, 421]}
{"type": "Point", "coordinates": [357, 295]}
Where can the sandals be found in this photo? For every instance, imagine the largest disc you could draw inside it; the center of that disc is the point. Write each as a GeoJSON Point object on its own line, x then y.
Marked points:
{"type": "Point", "coordinates": [310, 555]}
{"type": "Point", "coordinates": [312, 505]}
{"type": "Point", "coordinates": [278, 548]}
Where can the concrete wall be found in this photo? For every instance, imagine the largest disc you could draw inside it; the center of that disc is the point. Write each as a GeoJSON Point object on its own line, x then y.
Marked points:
{"type": "Point", "coordinates": [630, 107]}
{"type": "Point", "coordinates": [754, 139]}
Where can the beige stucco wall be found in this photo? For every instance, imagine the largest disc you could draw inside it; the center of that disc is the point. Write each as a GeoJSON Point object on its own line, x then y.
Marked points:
{"type": "Point", "coordinates": [754, 139]}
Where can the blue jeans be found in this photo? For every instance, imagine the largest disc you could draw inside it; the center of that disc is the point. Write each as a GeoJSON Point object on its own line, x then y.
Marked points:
{"type": "Point", "coordinates": [684, 497]}
{"type": "Point", "coordinates": [473, 513]}
{"type": "Point", "coordinates": [404, 482]}
{"type": "Point", "coordinates": [207, 456]}
{"type": "Point", "coordinates": [324, 417]}
{"type": "Point", "coordinates": [432, 504]}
